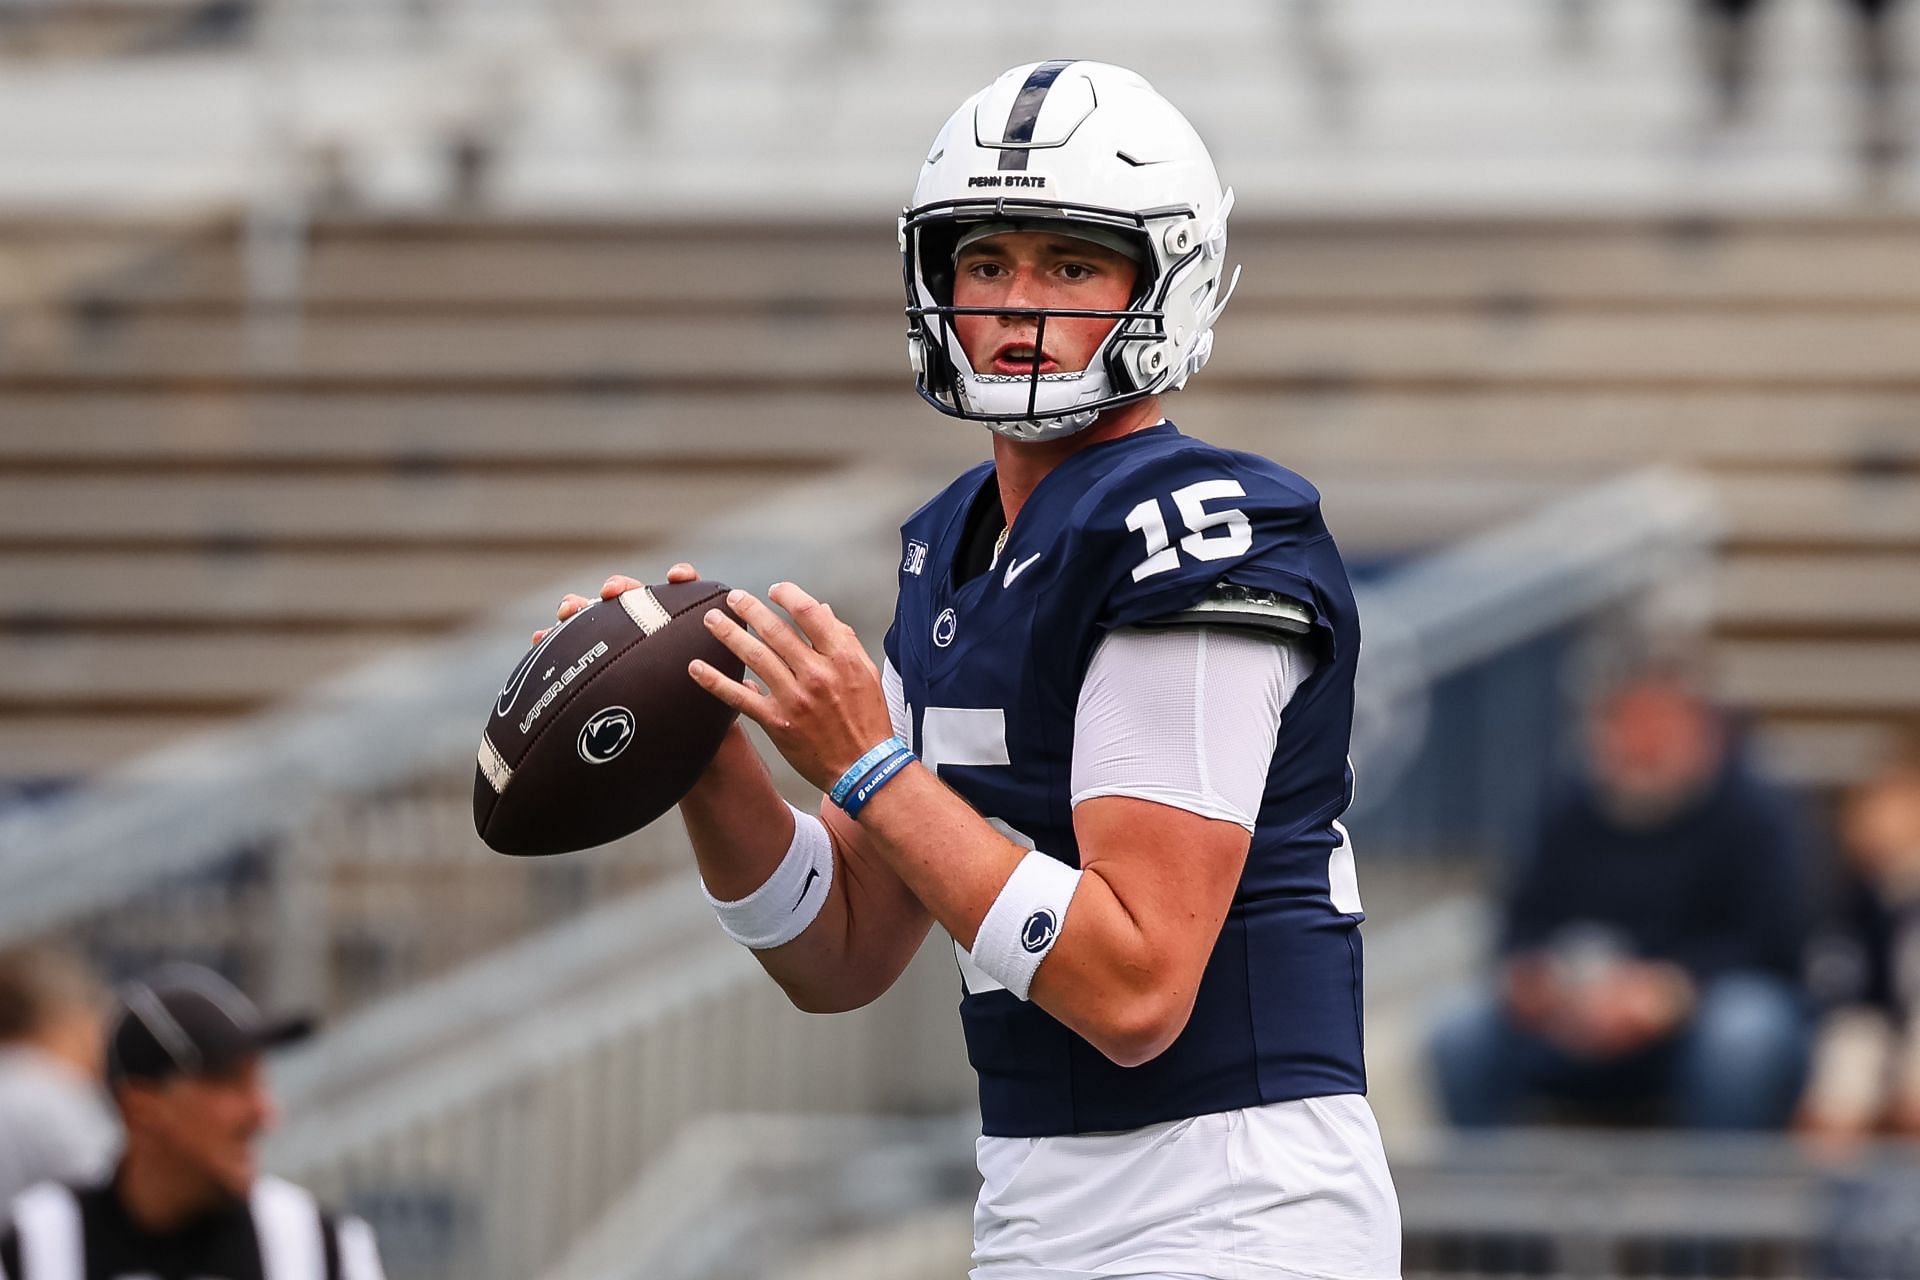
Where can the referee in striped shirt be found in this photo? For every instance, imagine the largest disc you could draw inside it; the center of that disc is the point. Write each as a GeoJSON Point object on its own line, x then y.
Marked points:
{"type": "Point", "coordinates": [186, 1201]}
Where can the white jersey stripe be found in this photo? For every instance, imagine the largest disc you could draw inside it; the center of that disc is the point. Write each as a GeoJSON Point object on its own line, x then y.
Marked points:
{"type": "Point", "coordinates": [359, 1260]}
{"type": "Point", "coordinates": [287, 1221]}
{"type": "Point", "coordinates": [51, 1242]}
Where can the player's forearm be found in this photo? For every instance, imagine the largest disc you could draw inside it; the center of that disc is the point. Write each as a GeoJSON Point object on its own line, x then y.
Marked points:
{"type": "Point", "coordinates": [739, 824]}
{"type": "Point", "coordinates": [1108, 977]}
{"type": "Point", "coordinates": [948, 855]}
{"type": "Point", "coordinates": [867, 929]}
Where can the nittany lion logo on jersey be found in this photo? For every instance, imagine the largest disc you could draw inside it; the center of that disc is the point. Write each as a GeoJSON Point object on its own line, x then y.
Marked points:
{"type": "Point", "coordinates": [944, 627]}
{"type": "Point", "coordinates": [605, 734]}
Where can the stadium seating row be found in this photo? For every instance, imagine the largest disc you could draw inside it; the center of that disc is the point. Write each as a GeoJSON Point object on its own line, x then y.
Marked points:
{"type": "Point", "coordinates": [275, 504]}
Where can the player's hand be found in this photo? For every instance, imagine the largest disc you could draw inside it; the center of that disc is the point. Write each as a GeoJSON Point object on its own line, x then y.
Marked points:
{"type": "Point", "coordinates": [1532, 996]}
{"type": "Point", "coordinates": [822, 706]}
{"type": "Point", "coordinates": [1630, 1009]}
{"type": "Point", "coordinates": [612, 588]}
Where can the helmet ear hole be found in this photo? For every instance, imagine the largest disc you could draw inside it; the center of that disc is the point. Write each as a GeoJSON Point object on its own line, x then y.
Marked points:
{"type": "Point", "coordinates": [1147, 360]}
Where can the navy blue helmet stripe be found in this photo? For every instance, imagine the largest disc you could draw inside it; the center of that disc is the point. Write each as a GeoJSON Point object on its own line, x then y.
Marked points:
{"type": "Point", "coordinates": [1026, 110]}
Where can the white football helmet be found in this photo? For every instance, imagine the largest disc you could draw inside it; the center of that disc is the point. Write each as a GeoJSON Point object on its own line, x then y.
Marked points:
{"type": "Point", "coordinates": [1093, 147]}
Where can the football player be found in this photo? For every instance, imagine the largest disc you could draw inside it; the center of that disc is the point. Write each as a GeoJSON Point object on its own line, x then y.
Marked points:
{"type": "Point", "coordinates": [1107, 751]}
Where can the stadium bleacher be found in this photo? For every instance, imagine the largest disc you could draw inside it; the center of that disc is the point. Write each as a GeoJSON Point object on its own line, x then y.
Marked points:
{"type": "Point", "coordinates": [458, 393]}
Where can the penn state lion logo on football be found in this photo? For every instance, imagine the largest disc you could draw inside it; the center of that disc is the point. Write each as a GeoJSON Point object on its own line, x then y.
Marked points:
{"type": "Point", "coordinates": [606, 734]}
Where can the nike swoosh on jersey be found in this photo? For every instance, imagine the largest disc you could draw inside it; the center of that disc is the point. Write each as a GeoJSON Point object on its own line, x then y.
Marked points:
{"type": "Point", "coordinates": [1019, 567]}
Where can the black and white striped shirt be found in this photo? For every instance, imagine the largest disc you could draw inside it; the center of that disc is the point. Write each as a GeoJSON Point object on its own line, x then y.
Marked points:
{"type": "Point", "coordinates": [279, 1233]}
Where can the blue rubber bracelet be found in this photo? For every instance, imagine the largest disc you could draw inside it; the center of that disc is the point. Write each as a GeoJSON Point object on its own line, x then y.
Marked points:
{"type": "Point", "coordinates": [859, 769]}
{"type": "Point", "coordinates": [879, 778]}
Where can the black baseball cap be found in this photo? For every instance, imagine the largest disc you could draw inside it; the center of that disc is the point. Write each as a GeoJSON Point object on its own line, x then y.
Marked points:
{"type": "Point", "coordinates": [186, 1020]}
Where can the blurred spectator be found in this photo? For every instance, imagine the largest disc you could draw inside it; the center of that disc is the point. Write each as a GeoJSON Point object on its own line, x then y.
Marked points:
{"type": "Point", "coordinates": [1866, 968]}
{"type": "Point", "coordinates": [184, 1060]}
{"type": "Point", "coordinates": [54, 1120]}
{"type": "Point", "coordinates": [1730, 60]}
{"type": "Point", "coordinates": [1651, 941]}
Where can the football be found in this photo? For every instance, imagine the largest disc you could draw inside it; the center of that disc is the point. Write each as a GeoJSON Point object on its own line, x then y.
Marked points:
{"type": "Point", "coordinates": [599, 730]}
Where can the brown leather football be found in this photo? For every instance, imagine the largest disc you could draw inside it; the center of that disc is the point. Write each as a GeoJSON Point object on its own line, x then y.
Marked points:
{"type": "Point", "coordinates": [599, 729]}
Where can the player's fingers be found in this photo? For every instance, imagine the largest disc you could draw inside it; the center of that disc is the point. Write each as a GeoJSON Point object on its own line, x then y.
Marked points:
{"type": "Point", "coordinates": [742, 697]}
{"type": "Point", "coordinates": [618, 584]}
{"type": "Point", "coordinates": [793, 650]}
{"type": "Point", "coordinates": [814, 618]}
{"type": "Point", "coordinates": [752, 650]}
{"type": "Point", "coordinates": [570, 604]}
{"type": "Point", "coordinates": [682, 572]}
{"type": "Point", "coordinates": [541, 634]}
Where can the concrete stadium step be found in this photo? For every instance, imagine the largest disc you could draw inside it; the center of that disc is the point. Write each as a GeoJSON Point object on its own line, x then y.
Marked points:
{"type": "Point", "coordinates": [1822, 678]}
{"type": "Point", "coordinates": [1381, 514]}
{"type": "Point", "coordinates": [1651, 262]}
{"type": "Point", "coordinates": [74, 431]}
{"type": "Point", "coordinates": [60, 745]}
{"type": "Point", "coordinates": [403, 590]}
{"type": "Point", "coordinates": [1820, 512]}
{"type": "Point", "coordinates": [1602, 428]}
{"type": "Point", "coordinates": [60, 264]}
{"type": "Point", "coordinates": [221, 673]}
{"type": "Point", "coordinates": [1595, 428]}
{"type": "Point", "coordinates": [1666, 350]}
{"type": "Point", "coordinates": [1840, 595]}
{"type": "Point", "coordinates": [583, 513]}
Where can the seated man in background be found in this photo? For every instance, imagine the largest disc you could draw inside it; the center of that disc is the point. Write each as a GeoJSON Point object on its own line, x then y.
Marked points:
{"type": "Point", "coordinates": [54, 1121]}
{"type": "Point", "coordinates": [1866, 1073]}
{"type": "Point", "coordinates": [1652, 939]}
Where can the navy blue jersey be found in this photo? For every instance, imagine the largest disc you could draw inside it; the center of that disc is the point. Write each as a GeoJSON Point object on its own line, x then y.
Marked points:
{"type": "Point", "coordinates": [1122, 533]}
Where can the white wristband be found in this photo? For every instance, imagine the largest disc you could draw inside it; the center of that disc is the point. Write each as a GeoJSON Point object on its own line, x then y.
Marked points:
{"type": "Point", "coordinates": [1024, 921]}
{"type": "Point", "coordinates": [790, 899]}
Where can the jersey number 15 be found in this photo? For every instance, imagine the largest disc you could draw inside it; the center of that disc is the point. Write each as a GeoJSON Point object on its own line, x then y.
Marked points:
{"type": "Point", "coordinates": [1149, 519]}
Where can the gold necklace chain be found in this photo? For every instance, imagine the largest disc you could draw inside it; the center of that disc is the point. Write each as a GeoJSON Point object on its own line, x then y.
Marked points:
{"type": "Point", "coordinates": [1000, 543]}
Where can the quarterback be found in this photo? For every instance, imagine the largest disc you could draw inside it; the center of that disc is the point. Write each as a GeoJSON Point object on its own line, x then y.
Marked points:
{"type": "Point", "coordinates": [1106, 751]}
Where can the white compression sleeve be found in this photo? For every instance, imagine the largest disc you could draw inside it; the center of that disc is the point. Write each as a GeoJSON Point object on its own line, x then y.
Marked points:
{"type": "Point", "coordinates": [1185, 716]}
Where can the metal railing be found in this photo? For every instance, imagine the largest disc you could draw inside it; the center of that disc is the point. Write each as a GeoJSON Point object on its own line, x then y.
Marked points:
{"type": "Point", "coordinates": [486, 1122]}
{"type": "Point", "coordinates": [805, 1198]}
{"type": "Point", "coordinates": [323, 853]}
{"type": "Point", "coordinates": [1595, 1204]}
{"type": "Point", "coordinates": [757, 1194]}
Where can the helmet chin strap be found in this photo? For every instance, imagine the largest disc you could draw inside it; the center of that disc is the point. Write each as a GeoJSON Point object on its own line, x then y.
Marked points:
{"type": "Point", "coordinates": [997, 394]}
{"type": "Point", "coordinates": [1050, 397]}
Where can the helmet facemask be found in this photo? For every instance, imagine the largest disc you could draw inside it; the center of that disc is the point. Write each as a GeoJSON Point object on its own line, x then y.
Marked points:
{"type": "Point", "coordinates": [1131, 362]}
